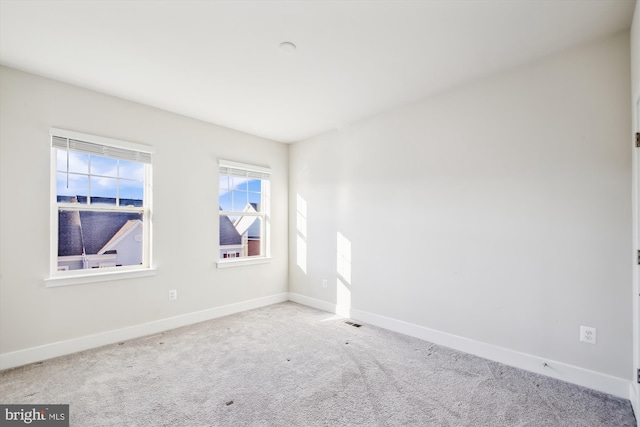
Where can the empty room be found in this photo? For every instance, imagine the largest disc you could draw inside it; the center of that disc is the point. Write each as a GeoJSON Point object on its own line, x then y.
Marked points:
{"type": "Point", "coordinates": [319, 213]}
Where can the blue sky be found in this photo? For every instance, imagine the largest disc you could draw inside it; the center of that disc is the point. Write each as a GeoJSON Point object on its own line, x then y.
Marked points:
{"type": "Point", "coordinates": [104, 177]}
{"type": "Point", "coordinates": [236, 192]}
{"type": "Point", "coordinates": [112, 175]}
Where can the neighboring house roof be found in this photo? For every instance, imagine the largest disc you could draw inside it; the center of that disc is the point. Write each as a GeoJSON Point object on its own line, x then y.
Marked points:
{"type": "Point", "coordinates": [228, 233]}
{"type": "Point", "coordinates": [69, 233]}
{"type": "Point", "coordinates": [89, 230]}
{"type": "Point", "coordinates": [131, 226]}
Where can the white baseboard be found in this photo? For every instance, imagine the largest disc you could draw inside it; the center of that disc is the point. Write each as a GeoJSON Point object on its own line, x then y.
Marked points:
{"type": "Point", "coordinates": [48, 351]}
{"type": "Point", "coordinates": [573, 374]}
{"type": "Point", "coordinates": [602, 382]}
{"type": "Point", "coordinates": [313, 302]}
{"type": "Point", "coordinates": [634, 397]}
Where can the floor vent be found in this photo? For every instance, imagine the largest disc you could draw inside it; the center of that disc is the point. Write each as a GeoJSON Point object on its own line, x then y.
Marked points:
{"type": "Point", "coordinates": [353, 324]}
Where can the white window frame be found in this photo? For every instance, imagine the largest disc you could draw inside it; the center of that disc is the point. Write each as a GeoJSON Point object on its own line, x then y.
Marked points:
{"type": "Point", "coordinates": [264, 173]}
{"type": "Point", "coordinates": [61, 277]}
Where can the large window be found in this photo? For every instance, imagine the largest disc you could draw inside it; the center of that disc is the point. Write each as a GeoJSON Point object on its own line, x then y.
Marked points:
{"type": "Point", "coordinates": [244, 212]}
{"type": "Point", "coordinates": [101, 204]}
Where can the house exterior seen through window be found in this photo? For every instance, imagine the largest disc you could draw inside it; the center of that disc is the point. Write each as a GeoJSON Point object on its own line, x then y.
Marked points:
{"type": "Point", "coordinates": [102, 204]}
{"type": "Point", "coordinates": [243, 197]}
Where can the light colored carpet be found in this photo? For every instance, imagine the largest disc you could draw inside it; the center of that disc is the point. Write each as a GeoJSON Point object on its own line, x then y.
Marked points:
{"type": "Point", "coordinates": [290, 365]}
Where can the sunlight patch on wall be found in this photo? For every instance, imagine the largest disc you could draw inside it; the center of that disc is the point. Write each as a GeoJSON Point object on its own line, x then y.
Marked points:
{"type": "Point", "coordinates": [301, 227]}
{"type": "Point", "coordinates": [343, 261]}
{"type": "Point", "coordinates": [301, 253]}
{"type": "Point", "coordinates": [343, 268]}
{"type": "Point", "coordinates": [343, 299]}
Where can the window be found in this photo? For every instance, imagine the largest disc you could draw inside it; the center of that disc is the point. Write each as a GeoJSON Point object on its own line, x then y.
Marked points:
{"type": "Point", "coordinates": [101, 205]}
{"type": "Point", "coordinates": [243, 198]}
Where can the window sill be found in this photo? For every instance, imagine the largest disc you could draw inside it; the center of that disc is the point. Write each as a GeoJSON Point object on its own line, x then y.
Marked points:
{"type": "Point", "coordinates": [80, 279]}
{"type": "Point", "coordinates": [241, 262]}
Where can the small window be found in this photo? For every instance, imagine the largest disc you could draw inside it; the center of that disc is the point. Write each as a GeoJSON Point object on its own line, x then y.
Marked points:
{"type": "Point", "coordinates": [101, 198]}
{"type": "Point", "coordinates": [243, 198]}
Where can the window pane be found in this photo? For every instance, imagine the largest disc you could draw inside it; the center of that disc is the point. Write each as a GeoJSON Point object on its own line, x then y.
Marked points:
{"type": "Point", "coordinates": [224, 183]}
{"type": "Point", "coordinates": [103, 190]}
{"type": "Point", "coordinates": [61, 160]}
{"type": "Point", "coordinates": [131, 170]}
{"type": "Point", "coordinates": [225, 201]}
{"type": "Point", "coordinates": [104, 166]}
{"type": "Point", "coordinates": [239, 183]}
{"type": "Point", "coordinates": [255, 199]}
{"type": "Point", "coordinates": [90, 239]}
{"type": "Point", "coordinates": [131, 193]}
{"type": "Point", "coordinates": [229, 236]}
{"type": "Point", "coordinates": [255, 185]}
{"type": "Point", "coordinates": [78, 162]}
{"type": "Point", "coordinates": [240, 201]}
{"type": "Point", "coordinates": [240, 236]}
{"type": "Point", "coordinates": [78, 186]}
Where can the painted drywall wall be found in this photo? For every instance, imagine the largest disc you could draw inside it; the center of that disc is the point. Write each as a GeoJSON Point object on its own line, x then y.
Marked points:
{"type": "Point", "coordinates": [635, 101]}
{"type": "Point", "coordinates": [185, 215]}
{"type": "Point", "coordinates": [498, 212]}
{"type": "Point", "coordinates": [635, 52]}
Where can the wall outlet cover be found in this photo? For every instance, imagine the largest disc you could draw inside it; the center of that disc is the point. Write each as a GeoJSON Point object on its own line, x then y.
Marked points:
{"type": "Point", "coordinates": [588, 334]}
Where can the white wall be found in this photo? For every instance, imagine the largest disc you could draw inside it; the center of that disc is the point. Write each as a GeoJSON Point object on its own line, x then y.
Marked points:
{"type": "Point", "coordinates": [635, 52]}
{"type": "Point", "coordinates": [185, 236]}
{"type": "Point", "coordinates": [635, 84]}
{"type": "Point", "coordinates": [509, 198]}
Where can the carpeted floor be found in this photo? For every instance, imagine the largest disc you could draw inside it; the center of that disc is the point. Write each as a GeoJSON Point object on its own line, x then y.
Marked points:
{"type": "Point", "coordinates": [290, 365]}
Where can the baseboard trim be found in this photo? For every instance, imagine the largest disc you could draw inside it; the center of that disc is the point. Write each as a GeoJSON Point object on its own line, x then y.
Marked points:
{"type": "Point", "coordinates": [634, 397]}
{"type": "Point", "coordinates": [48, 351]}
{"type": "Point", "coordinates": [598, 381]}
{"type": "Point", "coordinates": [573, 374]}
{"type": "Point", "coordinates": [313, 302]}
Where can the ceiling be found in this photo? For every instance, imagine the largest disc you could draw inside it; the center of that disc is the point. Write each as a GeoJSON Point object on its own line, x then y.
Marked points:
{"type": "Point", "coordinates": [219, 61]}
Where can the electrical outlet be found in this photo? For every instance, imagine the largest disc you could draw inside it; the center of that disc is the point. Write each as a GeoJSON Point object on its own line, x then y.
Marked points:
{"type": "Point", "coordinates": [173, 294]}
{"type": "Point", "coordinates": [324, 283]}
{"type": "Point", "coordinates": [588, 334]}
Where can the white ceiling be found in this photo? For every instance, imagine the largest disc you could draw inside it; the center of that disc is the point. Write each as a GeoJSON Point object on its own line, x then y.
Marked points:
{"type": "Point", "coordinates": [219, 61]}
